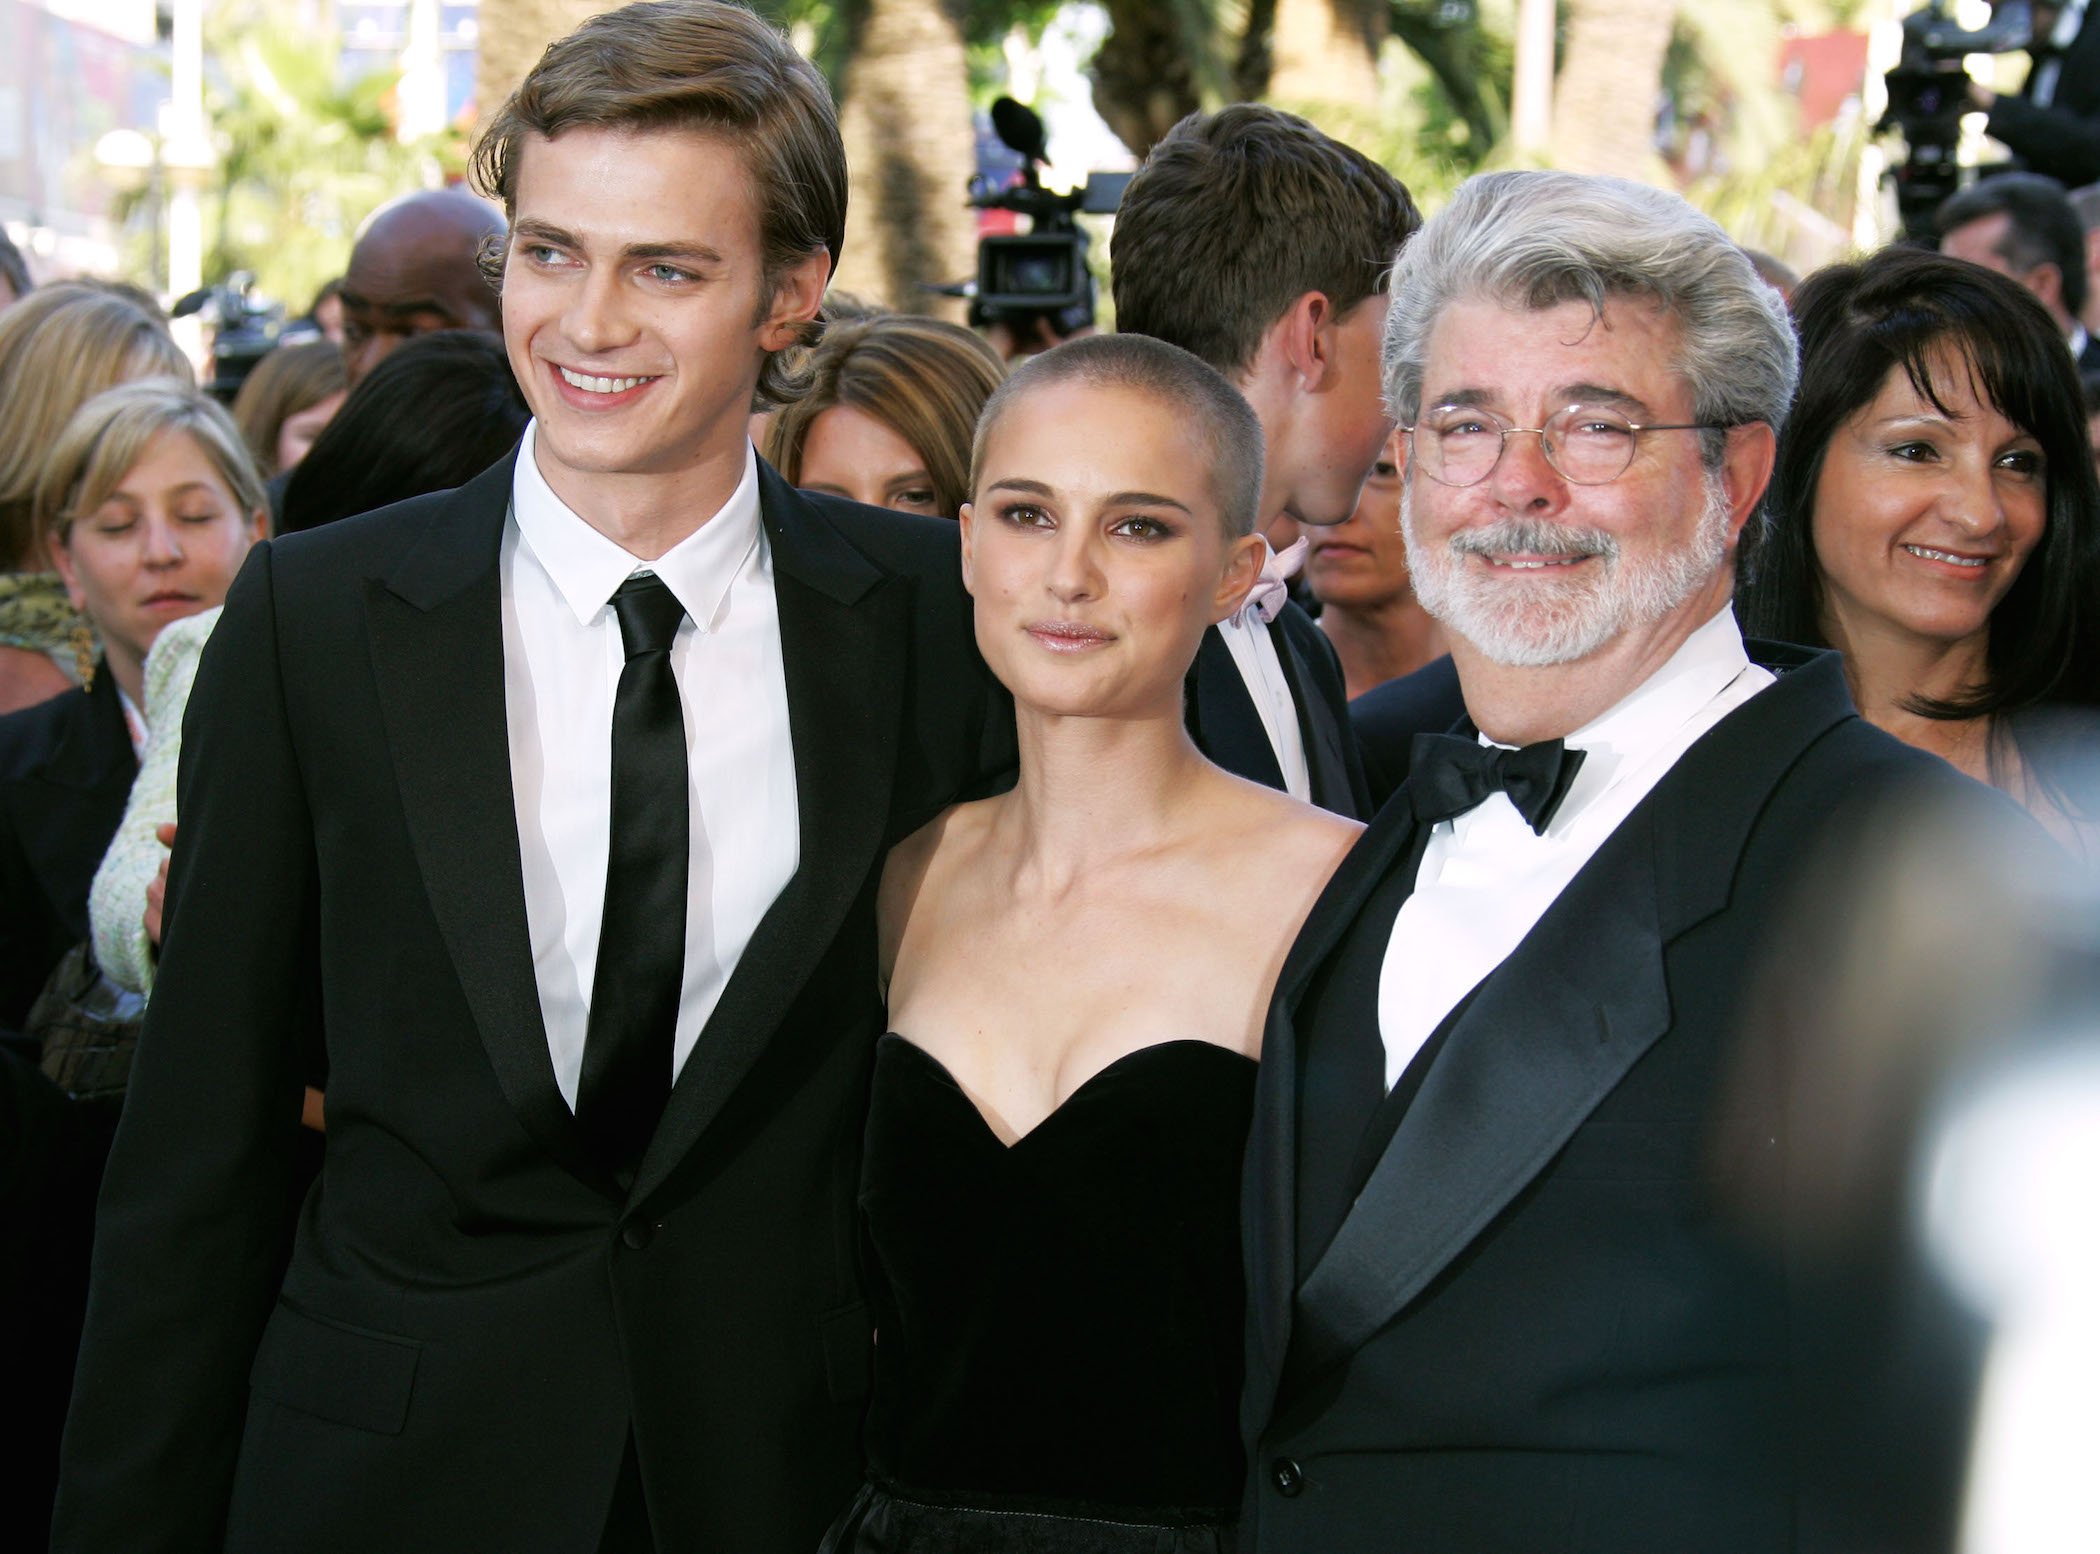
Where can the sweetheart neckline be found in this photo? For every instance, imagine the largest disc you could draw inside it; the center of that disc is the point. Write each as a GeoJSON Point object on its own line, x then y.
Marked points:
{"type": "Point", "coordinates": [1077, 1091]}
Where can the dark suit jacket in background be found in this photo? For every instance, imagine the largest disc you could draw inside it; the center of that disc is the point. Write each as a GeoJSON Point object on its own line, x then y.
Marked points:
{"type": "Point", "coordinates": [446, 1343]}
{"type": "Point", "coordinates": [66, 769]}
{"type": "Point", "coordinates": [1534, 1329]}
{"type": "Point", "coordinates": [1387, 717]}
{"type": "Point", "coordinates": [2063, 139]}
{"type": "Point", "coordinates": [1227, 728]}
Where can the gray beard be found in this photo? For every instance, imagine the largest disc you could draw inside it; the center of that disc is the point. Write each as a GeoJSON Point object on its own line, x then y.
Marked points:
{"type": "Point", "coordinates": [1547, 619]}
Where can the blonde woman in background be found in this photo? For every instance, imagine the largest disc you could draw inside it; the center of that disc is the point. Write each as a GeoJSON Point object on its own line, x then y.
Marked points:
{"type": "Point", "coordinates": [59, 347]}
{"type": "Point", "coordinates": [149, 504]}
{"type": "Point", "coordinates": [889, 417]}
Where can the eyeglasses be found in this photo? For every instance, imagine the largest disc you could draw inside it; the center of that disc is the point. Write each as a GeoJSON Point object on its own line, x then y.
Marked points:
{"type": "Point", "coordinates": [1460, 445]}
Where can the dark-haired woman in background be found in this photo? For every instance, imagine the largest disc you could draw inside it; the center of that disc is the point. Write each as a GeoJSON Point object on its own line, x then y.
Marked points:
{"type": "Point", "coordinates": [1934, 516]}
{"type": "Point", "coordinates": [437, 412]}
{"type": "Point", "coordinates": [888, 417]}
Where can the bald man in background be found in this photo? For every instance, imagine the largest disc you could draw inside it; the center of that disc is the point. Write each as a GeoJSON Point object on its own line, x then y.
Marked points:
{"type": "Point", "coordinates": [414, 270]}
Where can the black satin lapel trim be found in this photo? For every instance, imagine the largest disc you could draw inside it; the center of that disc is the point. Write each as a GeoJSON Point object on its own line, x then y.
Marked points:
{"type": "Point", "coordinates": [1222, 716]}
{"type": "Point", "coordinates": [1326, 751]}
{"type": "Point", "coordinates": [1269, 1201]}
{"type": "Point", "coordinates": [845, 687]}
{"type": "Point", "coordinates": [1549, 1035]}
{"type": "Point", "coordinates": [439, 671]}
{"type": "Point", "coordinates": [1558, 1025]}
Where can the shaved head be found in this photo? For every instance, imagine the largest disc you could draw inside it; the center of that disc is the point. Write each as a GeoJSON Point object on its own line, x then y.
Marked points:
{"type": "Point", "coordinates": [415, 269]}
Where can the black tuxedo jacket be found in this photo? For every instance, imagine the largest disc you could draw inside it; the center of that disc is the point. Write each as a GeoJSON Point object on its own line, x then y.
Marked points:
{"type": "Point", "coordinates": [1226, 727]}
{"type": "Point", "coordinates": [1533, 1329]}
{"type": "Point", "coordinates": [1386, 719]}
{"type": "Point", "coordinates": [447, 1342]}
{"type": "Point", "coordinates": [2062, 139]}
{"type": "Point", "coordinates": [66, 769]}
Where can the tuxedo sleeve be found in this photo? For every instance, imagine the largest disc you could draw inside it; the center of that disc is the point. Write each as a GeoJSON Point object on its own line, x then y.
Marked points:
{"type": "Point", "coordinates": [2063, 145]}
{"type": "Point", "coordinates": [195, 1218]}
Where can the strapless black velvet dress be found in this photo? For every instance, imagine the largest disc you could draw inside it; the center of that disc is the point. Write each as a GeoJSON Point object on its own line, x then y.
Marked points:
{"type": "Point", "coordinates": [1058, 1323]}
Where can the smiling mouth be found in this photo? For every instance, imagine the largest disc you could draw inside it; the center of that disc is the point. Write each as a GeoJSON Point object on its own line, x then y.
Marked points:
{"type": "Point", "coordinates": [1927, 553]}
{"type": "Point", "coordinates": [593, 385]}
{"type": "Point", "coordinates": [1533, 563]}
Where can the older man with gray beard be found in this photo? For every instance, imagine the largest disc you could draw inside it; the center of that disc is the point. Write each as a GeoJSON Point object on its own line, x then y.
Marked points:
{"type": "Point", "coordinates": [1495, 1305]}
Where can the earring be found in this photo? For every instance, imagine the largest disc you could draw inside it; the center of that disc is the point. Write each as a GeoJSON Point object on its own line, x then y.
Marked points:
{"type": "Point", "coordinates": [82, 641]}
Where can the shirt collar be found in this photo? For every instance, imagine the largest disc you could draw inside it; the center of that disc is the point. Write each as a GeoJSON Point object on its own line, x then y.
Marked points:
{"type": "Point", "coordinates": [1620, 740]}
{"type": "Point", "coordinates": [588, 567]}
{"type": "Point", "coordinates": [2078, 338]}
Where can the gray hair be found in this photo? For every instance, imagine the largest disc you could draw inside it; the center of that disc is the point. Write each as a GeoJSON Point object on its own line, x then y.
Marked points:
{"type": "Point", "coordinates": [1538, 239]}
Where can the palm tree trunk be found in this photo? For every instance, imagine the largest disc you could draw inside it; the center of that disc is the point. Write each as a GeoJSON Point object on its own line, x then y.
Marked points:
{"type": "Point", "coordinates": [1610, 78]}
{"type": "Point", "coordinates": [1531, 92]}
{"type": "Point", "coordinates": [1326, 52]}
{"type": "Point", "coordinates": [910, 152]}
{"type": "Point", "coordinates": [1146, 71]}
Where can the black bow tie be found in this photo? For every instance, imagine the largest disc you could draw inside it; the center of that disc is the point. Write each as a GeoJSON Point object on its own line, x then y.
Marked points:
{"type": "Point", "coordinates": [1447, 776]}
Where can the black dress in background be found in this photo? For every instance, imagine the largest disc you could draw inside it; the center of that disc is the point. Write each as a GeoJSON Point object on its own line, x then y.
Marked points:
{"type": "Point", "coordinates": [1059, 1338]}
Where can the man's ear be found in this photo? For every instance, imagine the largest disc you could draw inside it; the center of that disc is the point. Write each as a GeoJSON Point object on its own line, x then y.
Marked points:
{"type": "Point", "coordinates": [1302, 340]}
{"type": "Point", "coordinates": [1746, 469]}
{"type": "Point", "coordinates": [966, 520]}
{"type": "Point", "coordinates": [2047, 282]}
{"type": "Point", "coordinates": [1242, 566]}
{"type": "Point", "coordinates": [795, 301]}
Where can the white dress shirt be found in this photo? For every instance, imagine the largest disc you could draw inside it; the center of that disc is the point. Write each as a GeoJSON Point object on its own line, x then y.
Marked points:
{"type": "Point", "coordinates": [1487, 877]}
{"type": "Point", "coordinates": [561, 666]}
{"type": "Point", "coordinates": [1254, 654]}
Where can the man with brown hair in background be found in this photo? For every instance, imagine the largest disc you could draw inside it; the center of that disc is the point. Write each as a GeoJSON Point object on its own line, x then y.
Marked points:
{"type": "Point", "coordinates": [554, 804]}
{"type": "Point", "coordinates": [1262, 245]}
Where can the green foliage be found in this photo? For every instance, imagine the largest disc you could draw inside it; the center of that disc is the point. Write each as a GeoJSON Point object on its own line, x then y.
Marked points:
{"type": "Point", "coordinates": [303, 158]}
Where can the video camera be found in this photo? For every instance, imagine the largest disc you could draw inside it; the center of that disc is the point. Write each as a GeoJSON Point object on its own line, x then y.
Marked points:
{"type": "Point", "coordinates": [1928, 94]}
{"type": "Point", "coordinates": [245, 328]}
{"type": "Point", "coordinates": [1041, 274]}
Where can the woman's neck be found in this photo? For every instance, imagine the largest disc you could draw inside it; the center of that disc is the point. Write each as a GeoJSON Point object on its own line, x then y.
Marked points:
{"type": "Point", "coordinates": [1381, 642]}
{"type": "Point", "coordinates": [128, 672]}
{"type": "Point", "coordinates": [1094, 791]}
{"type": "Point", "coordinates": [1888, 670]}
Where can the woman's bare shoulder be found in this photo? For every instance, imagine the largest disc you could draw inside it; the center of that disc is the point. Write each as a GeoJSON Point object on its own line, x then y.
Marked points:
{"type": "Point", "coordinates": [925, 854]}
{"type": "Point", "coordinates": [1288, 830]}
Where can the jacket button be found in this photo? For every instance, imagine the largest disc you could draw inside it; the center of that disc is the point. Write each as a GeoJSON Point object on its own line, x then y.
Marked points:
{"type": "Point", "coordinates": [1287, 1476]}
{"type": "Point", "coordinates": [636, 1235]}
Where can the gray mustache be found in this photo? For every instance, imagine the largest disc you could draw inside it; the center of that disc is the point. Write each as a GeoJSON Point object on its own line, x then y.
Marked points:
{"type": "Point", "coordinates": [1536, 538]}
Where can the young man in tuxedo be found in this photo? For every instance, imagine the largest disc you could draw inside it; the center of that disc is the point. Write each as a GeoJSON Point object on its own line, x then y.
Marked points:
{"type": "Point", "coordinates": [1494, 1304]}
{"type": "Point", "coordinates": [1261, 245]}
{"type": "Point", "coordinates": [553, 806]}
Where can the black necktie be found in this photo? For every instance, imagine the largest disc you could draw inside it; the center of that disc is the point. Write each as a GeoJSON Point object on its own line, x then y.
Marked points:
{"type": "Point", "coordinates": [1447, 776]}
{"type": "Point", "coordinates": [641, 940]}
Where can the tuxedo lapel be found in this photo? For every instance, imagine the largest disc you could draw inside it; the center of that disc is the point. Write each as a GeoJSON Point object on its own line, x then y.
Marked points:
{"type": "Point", "coordinates": [1326, 755]}
{"type": "Point", "coordinates": [436, 629]}
{"type": "Point", "coordinates": [843, 622]}
{"type": "Point", "coordinates": [1223, 719]}
{"type": "Point", "coordinates": [1270, 1194]}
{"type": "Point", "coordinates": [1548, 1036]}
{"type": "Point", "coordinates": [1555, 1028]}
